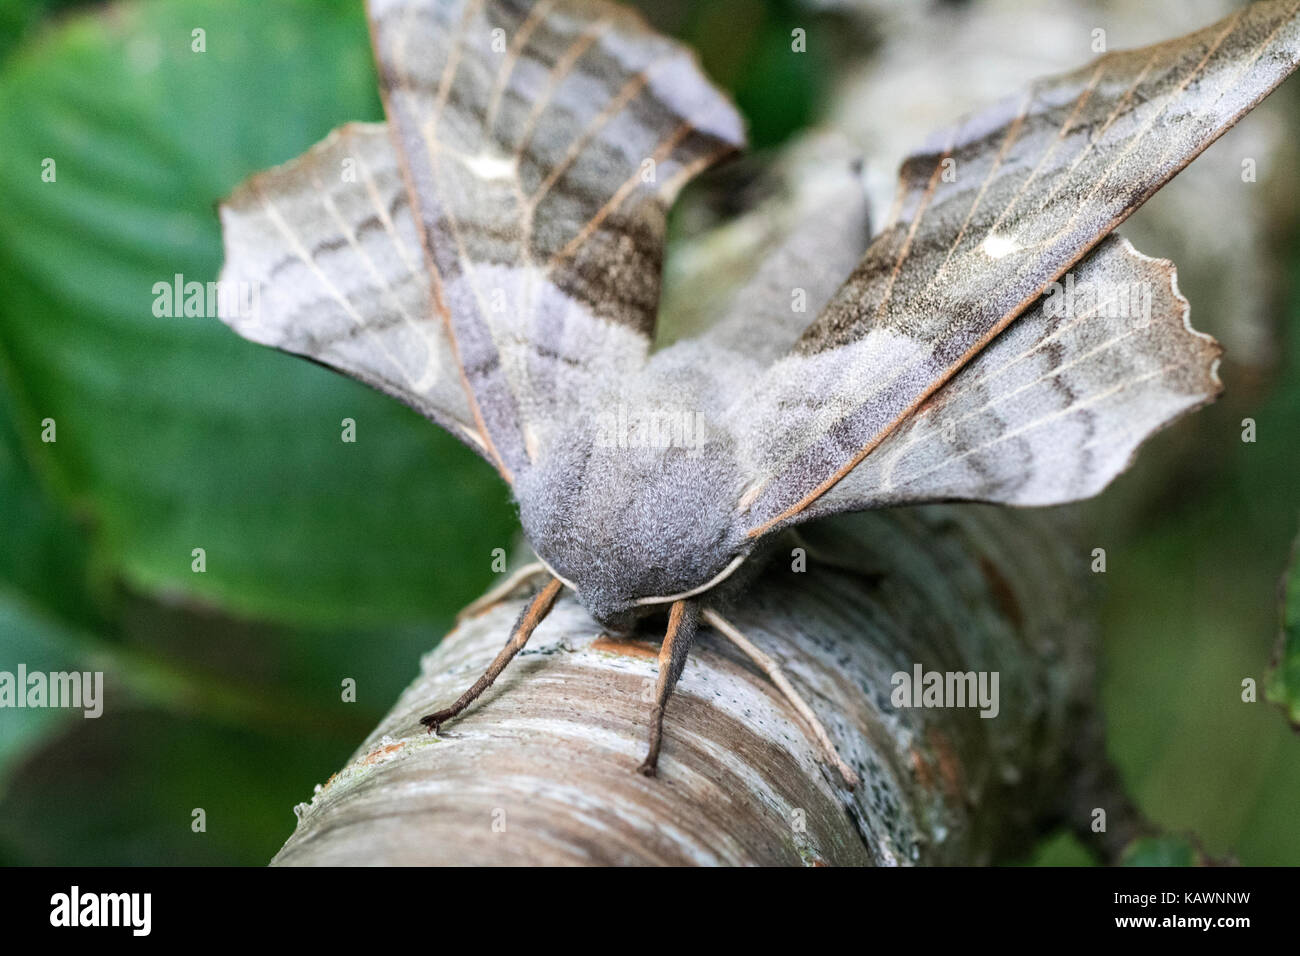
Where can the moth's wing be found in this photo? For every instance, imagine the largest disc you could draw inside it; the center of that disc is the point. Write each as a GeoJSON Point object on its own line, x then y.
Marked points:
{"type": "Point", "coordinates": [543, 144]}
{"type": "Point", "coordinates": [1056, 405]}
{"type": "Point", "coordinates": [327, 249]}
{"type": "Point", "coordinates": [789, 254]}
{"type": "Point", "coordinates": [999, 207]}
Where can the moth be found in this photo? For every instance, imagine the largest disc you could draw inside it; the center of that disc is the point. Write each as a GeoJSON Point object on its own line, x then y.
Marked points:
{"type": "Point", "coordinates": [492, 257]}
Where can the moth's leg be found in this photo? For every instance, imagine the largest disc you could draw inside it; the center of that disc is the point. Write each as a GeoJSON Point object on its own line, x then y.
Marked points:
{"type": "Point", "coordinates": [775, 675]}
{"type": "Point", "coordinates": [682, 621]}
{"type": "Point", "coordinates": [516, 579]}
{"type": "Point", "coordinates": [532, 615]}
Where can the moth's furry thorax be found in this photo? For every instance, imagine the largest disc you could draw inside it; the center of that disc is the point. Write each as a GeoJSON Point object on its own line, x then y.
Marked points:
{"type": "Point", "coordinates": [624, 524]}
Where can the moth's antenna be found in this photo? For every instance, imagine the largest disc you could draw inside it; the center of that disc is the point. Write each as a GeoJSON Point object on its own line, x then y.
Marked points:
{"type": "Point", "coordinates": [777, 677]}
{"type": "Point", "coordinates": [532, 615]}
{"type": "Point", "coordinates": [709, 585]}
{"type": "Point", "coordinates": [683, 618]}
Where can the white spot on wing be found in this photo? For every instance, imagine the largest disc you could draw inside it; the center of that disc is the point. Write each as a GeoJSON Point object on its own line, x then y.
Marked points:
{"type": "Point", "coordinates": [490, 165]}
{"type": "Point", "coordinates": [995, 246]}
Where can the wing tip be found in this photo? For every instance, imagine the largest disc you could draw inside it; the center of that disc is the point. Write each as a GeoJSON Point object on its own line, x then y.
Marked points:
{"type": "Point", "coordinates": [733, 127]}
{"type": "Point", "coordinates": [264, 177]}
{"type": "Point", "coordinates": [1210, 349]}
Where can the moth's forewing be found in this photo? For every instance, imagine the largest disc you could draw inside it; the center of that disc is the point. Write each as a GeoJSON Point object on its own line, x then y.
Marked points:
{"type": "Point", "coordinates": [543, 145]}
{"type": "Point", "coordinates": [492, 258]}
{"type": "Point", "coordinates": [994, 210]}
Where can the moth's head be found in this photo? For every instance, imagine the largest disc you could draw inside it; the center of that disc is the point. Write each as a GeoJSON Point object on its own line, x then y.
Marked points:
{"type": "Point", "coordinates": [633, 529]}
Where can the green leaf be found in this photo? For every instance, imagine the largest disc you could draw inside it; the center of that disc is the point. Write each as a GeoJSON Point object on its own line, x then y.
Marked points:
{"type": "Point", "coordinates": [45, 555]}
{"type": "Point", "coordinates": [174, 434]}
{"type": "Point", "coordinates": [36, 643]}
{"type": "Point", "coordinates": [122, 790]}
{"type": "Point", "coordinates": [1283, 683]}
{"type": "Point", "coordinates": [19, 17]}
{"type": "Point", "coordinates": [43, 562]}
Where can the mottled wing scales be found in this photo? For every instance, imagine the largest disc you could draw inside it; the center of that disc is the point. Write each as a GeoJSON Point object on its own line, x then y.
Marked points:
{"type": "Point", "coordinates": [994, 210]}
{"type": "Point", "coordinates": [543, 143]}
{"type": "Point", "coordinates": [1057, 405]}
{"type": "Point", "coordinates": [329, 244]}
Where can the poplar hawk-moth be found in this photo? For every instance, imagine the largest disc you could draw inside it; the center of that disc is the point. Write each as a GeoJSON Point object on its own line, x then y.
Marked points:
{"type": "Point", "coordinates": [495, 264]}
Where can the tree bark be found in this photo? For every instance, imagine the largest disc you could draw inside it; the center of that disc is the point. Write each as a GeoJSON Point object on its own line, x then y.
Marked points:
{"type": "Point", "coordinates": [540, 770]}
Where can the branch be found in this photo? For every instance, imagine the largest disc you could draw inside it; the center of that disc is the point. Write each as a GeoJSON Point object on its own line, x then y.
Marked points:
{"type": "Point", "coordinates": [540, 769]}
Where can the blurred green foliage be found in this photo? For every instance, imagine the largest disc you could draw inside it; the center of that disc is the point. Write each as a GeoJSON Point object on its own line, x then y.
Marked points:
{"type": "Point", "coordinates": [1160, 851]}
{"type": "Point", "coordinates": [328, 561]}
{"type": "Point", "coordinates": [1284, 680]}
{"type": "Point", "coordinates": [18, 18]}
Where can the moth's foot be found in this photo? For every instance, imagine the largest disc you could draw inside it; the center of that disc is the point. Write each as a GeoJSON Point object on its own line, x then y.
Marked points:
{"type": "Point", "coordinates": [435, 721]}
{"type": "Point", "coordinates": [648, 768]}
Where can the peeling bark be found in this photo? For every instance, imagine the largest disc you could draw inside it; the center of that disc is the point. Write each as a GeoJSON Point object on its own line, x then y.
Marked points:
{"type": "Point", "coordinates": [540, 769]}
